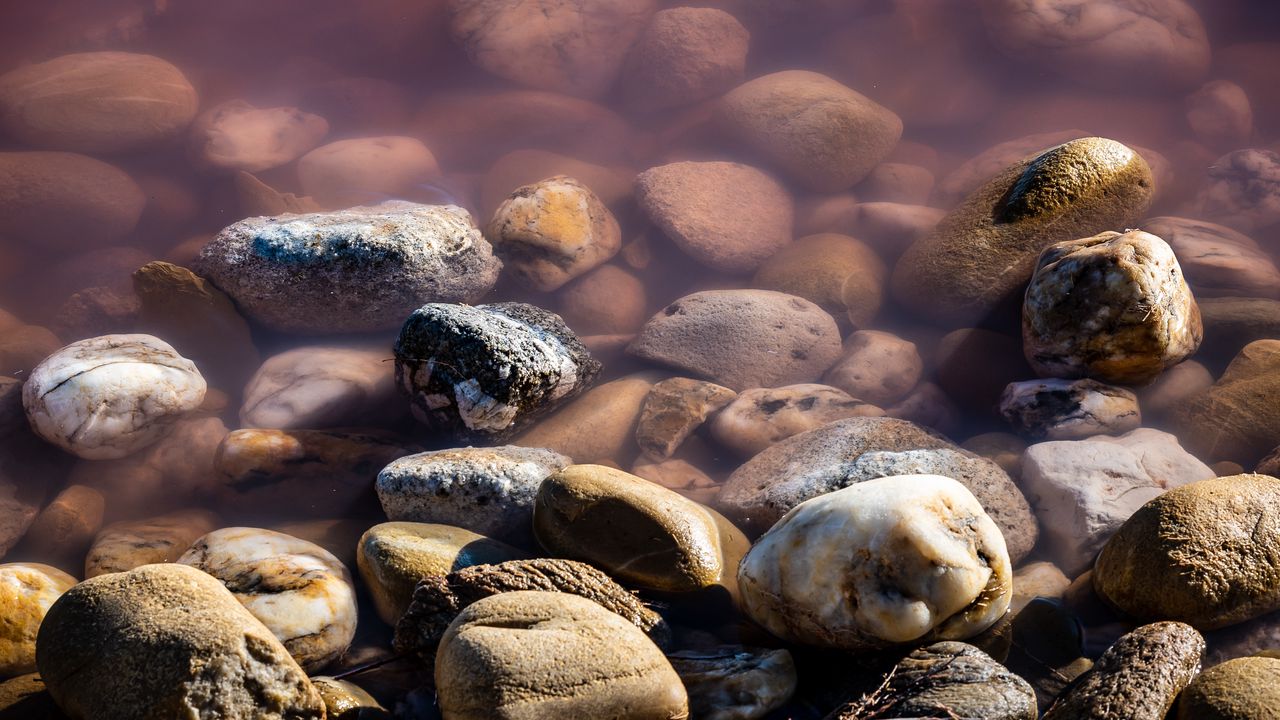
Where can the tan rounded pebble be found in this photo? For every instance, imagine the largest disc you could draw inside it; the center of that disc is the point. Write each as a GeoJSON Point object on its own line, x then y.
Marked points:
{"type": "Point", "coordinates": [762, 417]}
{"type": "Point", "coordinates": [365, 171]}
{"type": "Point", "coordinates": [62, 200]}
{"type": "Point", "coordinates": [126, 545]}
{"type": "Point", "coordinates": [599, 426]}
{"type": "Point", "coordinates": [684, 55]}
{"type": "Point", "coordinates": [877, 367]}
{"type": "Point", "coordinates": [605, 301]}
{"type": "Point", "coordinates": [838, 273]}
{"type": "Point", "coordinates": [27, 590]}
{"type": "Point", "coordinates": [238, 136]}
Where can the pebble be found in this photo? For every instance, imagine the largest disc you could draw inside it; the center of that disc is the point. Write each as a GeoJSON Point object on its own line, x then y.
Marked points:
{"type": "Point", "coordinates": [1246, 688]}
{"type": "Point", "coordinates": [890, 228]}
{"type": "Point", "coordinates": [529, 654]}
{"type": "Point", "coordinates": [322, 386]}
{"type": "Point", "coordinates": [1056, 409]}
{"type": "Point", "coordinates": [877, 367]}
{"type": "Point", "coordinates": [96, 102]}
{"type": "Point", "coordinates": [1174, 388]}
{"type": "Point", "coordinates": [1083, 490]}
{"type": "Point", "coordinates": [1242, 190]}
{"type": "Point", "coordinates": [1137, 678]}
{"type": "Point", "coordinates": [727, 216]}
{"type": "Point", "coordinates": [558, 45]}
{"type": "Point", "coordinates": [733, 682]}
{"type": "Point", "coordinates": [639, 532]}
{"type": "Point", "coordinates": [1232, 420]}
{"type": "Point", "coordinates": [552, 231]}
{"type": "Point", "coordinates": [598, 426]}
{"type": "Point", "coordinates": [1113, 307]}
{"type": "Point", "coordinates": [822, 134]}
{"type": "Point", "coordinates": [742, 338]}
{"type": "Point", "coordinates": [489, 370]}
{"type": "Point", "coordinates": [25, 698]}
{"type": "Point", "coordinates": [301, 592]}
{"type": "Point", "coordinates": [605, 301]}
{"type": "Point", "coordinates": [1220, 115]}
{"type": "Point", "coordinates": [894, 560]}
{"type": "Point", "coordinates": [1199, 553]}
{"type": "Point", "coordinates": [166, 636]}
{"type": "Point", "coordinates": [610, 183]}
{"type": "Point", "coordinates": [344, 700]}
{"type": "Point", "coordinates": [679, 475]}
{"type": "Point", "coordinates": [60, 200]}
{"type": "Point", "coordinates": [1037, 580]}
{"type": "Point", "coordinates": [367, 171]}
{"type": "Point", "coordinates": [685, 55]}
{"type": "Point", "coordinates": [860, 449]}
{"type": "Point", "coordinates": [970, 175]}
{"type": "Point", "coordinates": [123, 546]}
{"type": "Point", "coordinates": [235, 135]}
{"type": "Point", "coordinates": [674, 409]}
{"type": "Point", "coordinates": [488, 490]}
{"type": "Point", "coordinates": [27, 590]}
{"type": "Point", "coordinates": [840, 274]}
{"type": "Point", "coordinates": [1002, 448]}
{"type": "Point", "coordinates": [66, 526]}
{"type": "Point", "coordinates": [24, 346]}
{"type": "Point", "coordinates": [255, 198]}
{"type": "Point", "coordinates": [1218, 261]}
{"type": "Point", "coordinates": [897, 183]}
{"type": "Point", "coordinates": [394, 556]}
{"type": "Point", "coordinates": [356, 270]}
{"type": "Point", "coordinates": [762, 417]}
{"type": "Point", "coordinates": [976, 261]}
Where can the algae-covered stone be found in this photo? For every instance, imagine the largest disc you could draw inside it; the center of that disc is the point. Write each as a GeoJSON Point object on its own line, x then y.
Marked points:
{"type": "Point", "coordinates": [344, 700]}
{"type": "Point", "coordinates": [980, 255]}
{"type": "Point", "coordinates": [489, 370]}
{"type": "Point", "coordinates": [1246, 688]}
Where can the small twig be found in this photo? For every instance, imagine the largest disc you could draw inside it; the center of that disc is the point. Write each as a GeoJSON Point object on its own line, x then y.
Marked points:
{"type": "Point", "coordinates": [371, 665]}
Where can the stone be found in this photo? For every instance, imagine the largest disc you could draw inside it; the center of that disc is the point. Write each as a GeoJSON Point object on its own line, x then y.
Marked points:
{"type": "Point", "coordinates": [65, 201]}
{"type": "Point", "coordinates": [732, 682]}
{"type": "Point", "coordinates": [1037, 580]}
{"type": "Point", "coordinates": [1083, 490]}
{"type": "Point", "coordinates": [235, 135]}
{"type": "Point", "coordinates": [1233, 419]}
{"type": "Point", "coordinates": [1216, 260]}
{"type": "Point", "coordinates": [928, 405]}
{"type": "Point", "coordinates": [763, 417]}
{"type": "Point", "coordinates": [897, 183]}
{"type": "Point", "coordinates": [605, 301]}
{"type": "Point", "coordinates": [1056, 409]}
{"type": "Point", "coordinates": [96, 102]}
{"type": "Point", "coordinates": [27, 590]}
{"type": "Point", "coordinates": [840, 274]}
{"type": "Point", "coordinates": [889, 228]}
{"type": "Point", "coordinates": [1242, 190]}
{"type": "Point", "coordinates": [552, 231]}
{"type": "Point", "coordinates": [489, 491]}
{"type": "Point", "coordinates": [1240, 689]}
{"type": "Point", "coordinates": [877, 367]}
{"type": "Point", "coordinates": [610, 183]}
{"type": "Point", "coordinates": [344, 700]}
{"type": "Point", "coordinates": [356, 270]}
{"type": "Point", "coordinates": [123, 546]}
{"type": "Point", "coordinates": [972, 173]}
{"type": "Point", "coordinates": [65, 527]}
{"type": "Point", "coordinates": [685, 55]}
{"type": "Point", "coordinates": [97, 311]}
{"type": "Point", "coordinates": [1137, 678]}
{"type": "Point", "coordinates": [569, 47]}
{"type": "Point", "coordinates": [24, 346]}
{"type": "Point", "coordinates": [1220, 115]}
{"type": "Point", "coordinates": [680, 476]}
{"type": "Point", "coordinates": [302, 473]}
{"type": "Point", "coordinates": [1113, 307]}
{"type": "Point", "coordinates": [947, 677]}
{"type": "Point", "coordinates": [1002, 448]}
{"type": "Point", "coordinates": [535, 654]}
{"type": "Point", "coordinates": [673, 409]}
{"type": "Point", "coordinates": [322, 386]}
{"type": "Point", "coordinates": [488, 371]}
{"type": "Point", "coordinates": [256, 198]}
{"type": "Point", "coordinates": [1174, 388]}
{"type": "Point", "coordinates": [598, 426]}
{"type": "Point", "coordinates": [742, 338]}
{"type": "Point", "coordinates": [640, 532]}
{"type": "Point", "coordinates": [1198, 553]}
{"type": "Point", "coordinates": [166, 638]}
{"type": "Point", "coordinates": [25, 698]}
{"type": "Point", "coordinates": [856, 450]}
{"type": "Point", "coordinates": [394, 557]}
{"type": "Point", "coordinates": [109, 396]}
{"type": "Point", "coordinates": [366, 171]}
{"type": "Point", "coordinates": [1112, 45]}
{"type": "Point", "coordinates": [907, 559]}
{"type": "Point", "coordinates": [727, 216]}
{"type": "Point", "coordinates": [820, 133]}
{"type": "Point", "coordinates": [301, 592]}
{"type": "Point", "coordinates": [356, 105]}
{"type": "Point", "coordinates": [976, 261]}
{"type": "Point", "coordinates": [437, 600]}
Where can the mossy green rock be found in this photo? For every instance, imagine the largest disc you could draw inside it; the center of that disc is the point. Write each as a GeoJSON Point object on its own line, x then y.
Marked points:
{"type": "Point", "coordinates": [1246, 688]}
{"type": "Point", "coordinates": [980, 256]}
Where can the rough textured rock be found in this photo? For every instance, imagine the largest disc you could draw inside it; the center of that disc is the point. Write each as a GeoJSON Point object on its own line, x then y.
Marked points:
{"type": "Point", "coordinates": [576, 48]}
{"type": "Point", "coordinates": [1242, 190]}
{"type": "Point", "coordinates": [853, 451]}
{"type": "Point", "coordinates": [1137, 678]}
{"type": "Point", "coordinates": [727, 216]}
{"type": "Point", "coordinates": [1083, 490]}
{"type": "Point", "coordinates": [238, 136]}
{"type": "Point", "coordinates": [640, 532]}
{"type": "Point", "coordinates": [96, 102]}
{"type": "Point", "coordinates": [1056, 409]}
{"type": "Point", "coordinates": [598, 426]}
{"type": "Point", "coordinates": [26, 592]}
{"type": "Point", "coordinates": [894, 560]}
{"type": "Point", "coordinates": [1246, 688]}
{"type": "Point", "coordinates": [109, 396]}
{"type": "Point", "coordinates": [361, 269]}
{"type": "Point", "coordinates": [485, 490]}
{"type": "Point", "coordinates": [684, 55]}
{"type": "Point", "coordinates": [763, 417]}
{"type": "Point", "coordinates": [1113, 307]}
{"type": "Point", "coordinates": [321, 386]}
{"type": "Point", "coordinates": [841, 274]}
{"type": "Point", "coordinates": [1217, 261]}
{"type": "Point", "coordinates": [63, 200]}
{"type": "Point", "coordinates": [876, 366]}
{"type": "Point", "coordinates": [673, 409]}
{"type": "Point", "coordinates": [732, 682]}
{"type": "Point", "coordinates": [742, 338]}
{"type": "Point", "coordinates": [821, 133]}
{"type": "Point", "coordinates": [166, 639]}
{"type": "Point", "coordinates": [437, 600]}
{"type": "Point", "coordinates": [367, 171]}
{"type": "Point", "coordinates": [976, 261]}
{"type": "Point", "coordinates": [1201, 553]}
{"type": "Point", "coordinates": [1235, 418]}
{"type": "Point", "coordinates": [526, 655]}
{"type": "Point", "coordinates": [123, 546]}
{"type": "Point", "coordinates": [551, 231]}
{"type": "Point", "coordinates": [489, 370]}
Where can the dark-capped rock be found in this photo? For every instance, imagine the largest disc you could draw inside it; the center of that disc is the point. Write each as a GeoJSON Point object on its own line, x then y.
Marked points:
{"type": "Point", "coordinates": [1056, 409]}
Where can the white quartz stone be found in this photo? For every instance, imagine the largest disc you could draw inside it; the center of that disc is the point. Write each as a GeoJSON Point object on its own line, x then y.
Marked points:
{"type": "Point", "coordinates": [322, 386]}
{"type": "Point", "coordinates": [106, 397]}
{"type": "Point", "coordinates": [300, 591]}
{"type": "Point", "coordinates": [893, 560]}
